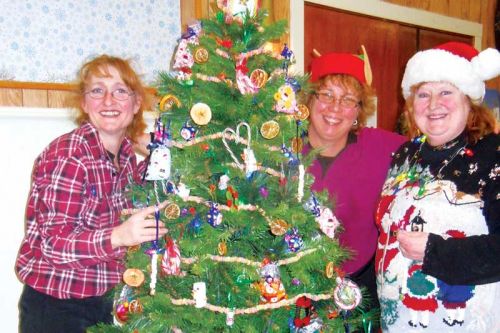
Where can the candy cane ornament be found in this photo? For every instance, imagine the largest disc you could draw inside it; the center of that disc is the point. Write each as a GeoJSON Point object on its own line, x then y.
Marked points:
{"type": "Point", "coordinates": [249, 160]}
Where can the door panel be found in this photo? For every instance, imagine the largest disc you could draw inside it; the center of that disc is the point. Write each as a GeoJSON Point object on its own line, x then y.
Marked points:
{"type": "Point", "coordinates": [330, 30]}
{"type": "Point", "coordinates": [389, 46]}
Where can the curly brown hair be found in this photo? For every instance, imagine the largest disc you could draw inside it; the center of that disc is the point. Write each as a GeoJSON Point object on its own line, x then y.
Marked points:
{"type": "Point", "coordinates": [480, 122]}
{"type": "Point", "coordinates": [99, 67]}
{"type": "Point", "coordinates": [364, 92]}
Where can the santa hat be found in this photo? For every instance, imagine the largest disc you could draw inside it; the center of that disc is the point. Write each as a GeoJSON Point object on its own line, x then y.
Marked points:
{"type": "Point", "coordinates": [454, 62]}
{"type": "Point", "coordinates": [342, 63]}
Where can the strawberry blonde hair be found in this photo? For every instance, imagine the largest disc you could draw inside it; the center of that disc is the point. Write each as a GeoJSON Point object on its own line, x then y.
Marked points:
{"type": "Point", "coordinates": [99, 67]}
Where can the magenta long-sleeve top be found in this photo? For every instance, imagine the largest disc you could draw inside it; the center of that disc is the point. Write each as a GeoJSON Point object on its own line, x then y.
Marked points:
{"type": "Point", "coordinates": [354, 181]}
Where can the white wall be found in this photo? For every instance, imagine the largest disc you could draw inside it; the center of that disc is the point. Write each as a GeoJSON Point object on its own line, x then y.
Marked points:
{"type": "Point", "coordinates": [24, 132]}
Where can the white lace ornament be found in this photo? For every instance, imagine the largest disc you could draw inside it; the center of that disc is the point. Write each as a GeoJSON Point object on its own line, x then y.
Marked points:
{"type": "Point", "coordinates": [159, 164]}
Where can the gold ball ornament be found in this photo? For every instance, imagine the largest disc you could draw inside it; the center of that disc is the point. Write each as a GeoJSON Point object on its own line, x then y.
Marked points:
{"type": "Point", "coordinates": [259, 77]}
{"type": "Point", "coordinates": [278, 227]}
{"type": "Point", "coordinates": [201, 113]}
{"type": "Point", "coordinates": [168, 101]}
{"type": "Point", "coordinates": [133, 277]}
{"type": "Point", "coordinates": [302, 112]}
{"type": "Point", "coordinates": [270, 129]}
{"type": "Point", "coordinates": [329, 270]}
{"type": "Point", "coordinates": [200, 55]}
{"type": "Point", "coordinates": [172, 211]}
{"type": "Point", "coordinates": [222, 248]}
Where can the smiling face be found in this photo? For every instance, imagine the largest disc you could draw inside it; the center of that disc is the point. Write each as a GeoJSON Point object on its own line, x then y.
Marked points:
{"type": "Point", "coordinates": [330, 123]}
{"type": "Point", "coordinates": [110, 116]}
{"type": "Point", "coordinates": [440, 111]}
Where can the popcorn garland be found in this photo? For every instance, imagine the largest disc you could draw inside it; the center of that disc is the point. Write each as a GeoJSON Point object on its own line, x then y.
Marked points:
{"type": "Point", "coordinates": [215, 79]}
{"type": "Point", "coordinates": [241, 260]}
{"type": "Point", "coordinates": [324, 216]}
{"type": "Point", "coordinates": [229, 136]}
{"type": "Point", "coordinates": [254, 309]}
{"type": "Point", "coordinates": [222, 53]}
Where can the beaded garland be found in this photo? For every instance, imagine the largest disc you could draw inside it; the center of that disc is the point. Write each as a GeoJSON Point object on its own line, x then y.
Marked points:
{"type": "Point", "coordinates": [415, 174]}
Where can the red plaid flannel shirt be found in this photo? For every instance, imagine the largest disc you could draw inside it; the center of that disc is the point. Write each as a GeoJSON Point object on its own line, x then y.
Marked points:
{"type": "Point", "coordinates": [75, 201]}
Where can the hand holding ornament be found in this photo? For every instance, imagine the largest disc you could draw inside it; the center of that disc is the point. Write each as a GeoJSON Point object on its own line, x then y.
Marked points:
{"type": "Point", "coordinates": [139, 228]}
{"type": "Point", "coordinates": [412, 244]}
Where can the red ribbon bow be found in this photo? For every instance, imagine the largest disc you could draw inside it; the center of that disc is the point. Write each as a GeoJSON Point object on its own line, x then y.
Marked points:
{"type": "Point", "coordinates": [298, 322]}
{"type": "Point", "coordinates": [242, 66]}
{"type": "Point", "coordinates": [227, 43]}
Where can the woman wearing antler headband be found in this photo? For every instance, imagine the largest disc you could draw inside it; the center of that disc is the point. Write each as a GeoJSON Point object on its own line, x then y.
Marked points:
{"type": "Point", "coordinates": [353, 160]}
{"type": "Point", "coordinates": [438, 257]}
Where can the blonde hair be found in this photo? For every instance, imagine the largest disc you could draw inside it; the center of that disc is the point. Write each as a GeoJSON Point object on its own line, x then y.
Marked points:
{"type": "Point", "coordinates": [480, 122]}
{"type": "Point", "coordinates": [99, 67]}
{"type": "Point", "coordinates": [364, 92]}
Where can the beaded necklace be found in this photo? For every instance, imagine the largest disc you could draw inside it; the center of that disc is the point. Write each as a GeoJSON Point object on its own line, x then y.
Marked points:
{"type": "Point", "coordinates": [415, 174]}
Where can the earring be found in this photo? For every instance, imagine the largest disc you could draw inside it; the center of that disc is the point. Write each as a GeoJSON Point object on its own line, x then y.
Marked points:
{"type": "Point", "coordinates": [355, 123]}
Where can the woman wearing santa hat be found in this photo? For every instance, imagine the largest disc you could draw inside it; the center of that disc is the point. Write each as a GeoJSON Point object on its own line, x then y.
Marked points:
{"type": "Point", "coordinates": [353, 160]}
{"type": "Point", "coordinates": [438, 257]}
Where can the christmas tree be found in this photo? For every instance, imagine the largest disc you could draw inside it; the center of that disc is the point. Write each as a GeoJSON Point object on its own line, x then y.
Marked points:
{"type": "Point", "coordinates": [249, 247]}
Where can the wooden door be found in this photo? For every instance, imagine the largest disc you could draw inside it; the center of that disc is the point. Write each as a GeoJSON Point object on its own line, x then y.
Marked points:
{"type": "Point", "coordinates": [389, 46]}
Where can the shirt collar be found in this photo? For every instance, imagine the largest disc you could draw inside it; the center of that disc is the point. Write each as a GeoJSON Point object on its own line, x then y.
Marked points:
{"type": "Point", "coordinates": [91, 135]}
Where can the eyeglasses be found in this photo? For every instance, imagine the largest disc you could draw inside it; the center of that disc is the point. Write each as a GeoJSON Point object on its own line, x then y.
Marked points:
{"type": "Point", "coordinates": [119, 94]}
{"type": "Point", "coordinates": [344, 102]}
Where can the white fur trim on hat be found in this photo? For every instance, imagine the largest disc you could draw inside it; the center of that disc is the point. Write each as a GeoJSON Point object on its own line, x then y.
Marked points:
{"type": "Point", "coordinates": [436, 65]}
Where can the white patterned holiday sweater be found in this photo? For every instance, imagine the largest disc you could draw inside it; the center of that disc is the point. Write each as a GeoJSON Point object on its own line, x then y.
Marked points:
{"type": "Point", "coordinates": [453, 194]}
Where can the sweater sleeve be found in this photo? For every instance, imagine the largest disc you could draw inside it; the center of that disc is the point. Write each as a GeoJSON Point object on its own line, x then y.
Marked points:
{"type": "Point", "coordinates": [474, 259]}
{"type": "Point", "coordinates": [471, 260]}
